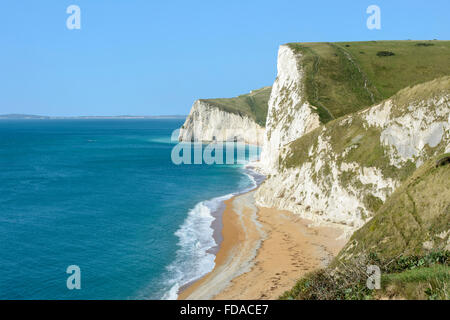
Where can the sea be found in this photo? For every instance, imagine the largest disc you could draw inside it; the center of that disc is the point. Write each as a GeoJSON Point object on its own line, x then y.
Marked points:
{"type": "Point", "coordinates": [104, 195]}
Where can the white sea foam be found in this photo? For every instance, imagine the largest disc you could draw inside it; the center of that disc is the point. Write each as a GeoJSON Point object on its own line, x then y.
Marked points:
{"type": "Point", "coordinates": [195, 235]}
{"type": "Point", "coordinates": [195, 240]}
{"type": "Point", "coordinates": [253, 181]}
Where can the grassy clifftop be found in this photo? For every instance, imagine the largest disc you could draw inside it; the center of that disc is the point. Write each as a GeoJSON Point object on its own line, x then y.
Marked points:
{"type": "Point", "coordinates": [253, 104]}
{"type": "Point", "coordinates": [345, 77]}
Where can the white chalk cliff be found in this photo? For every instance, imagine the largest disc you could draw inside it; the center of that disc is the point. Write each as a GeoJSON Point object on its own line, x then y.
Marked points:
{"type": "Point", "coordinates": [207, 122]}
{"type": "Point", "coordinates": [323, 179]}
{"type": "Point", "coordinates": [289, 115]}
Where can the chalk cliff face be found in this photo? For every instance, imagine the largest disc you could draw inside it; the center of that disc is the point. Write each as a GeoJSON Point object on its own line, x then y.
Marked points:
{"type": "Point", "coordinates": [207, 122]}
{"type": "Point", "coordinates": [343, 171]}
{"type": "Point", "coordinates": [289, 115]}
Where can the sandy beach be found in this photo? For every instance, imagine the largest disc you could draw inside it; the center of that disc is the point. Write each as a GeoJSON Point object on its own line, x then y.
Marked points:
{"type": "Point", "coordinates": [263, 253]}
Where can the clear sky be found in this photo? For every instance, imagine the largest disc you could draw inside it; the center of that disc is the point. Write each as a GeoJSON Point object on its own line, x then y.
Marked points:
{"type": "Point", "coordinates": [145, 57]}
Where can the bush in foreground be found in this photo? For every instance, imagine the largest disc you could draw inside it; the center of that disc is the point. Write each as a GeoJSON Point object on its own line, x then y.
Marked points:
{"type": "Point", "coordinates": [407, 277]}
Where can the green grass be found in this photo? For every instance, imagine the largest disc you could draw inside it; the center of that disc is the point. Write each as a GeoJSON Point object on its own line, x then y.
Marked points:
{"type": "Point", "coordinates": [438, 272]}
{"type": "Point", "coordinates": [421, 283]}
{"type": "Point", "coordinates": [411, 64]}
{"type": "Point", "coordinates": [253, 105]}
{"type": "Point", "coordinates": [333, 83]}
{"type": "Point", "coordinates": [424, 91]}
{"type": "Point", "coordinates": [341, 78]}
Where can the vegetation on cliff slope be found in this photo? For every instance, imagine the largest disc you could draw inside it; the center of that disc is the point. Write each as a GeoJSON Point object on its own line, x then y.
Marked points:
{"type": "Point", "coordinates": [344, 170]}
{"type": "Point", "coordinates": [408, 239]}
{"type": "Point", "coordinates": [341, 78]}
{"type": "Point", "coordinates": [415, 218]}
{"type": "Point", "coordinates": [415, 278]}
{"type": "Point", "coordinates": [352, 140]}
{"type": "Point", "coordinates": [253, 104]}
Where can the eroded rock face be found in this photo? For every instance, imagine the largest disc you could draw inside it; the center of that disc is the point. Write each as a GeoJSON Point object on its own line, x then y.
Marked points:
{"type": "Point", "coordinates": [341, 182]}
{"type": "Point", "coordinates": [289, 115]}
{"type": "Point", "coordinates": [319, 189]}
{"type": "Point", "coordinates": [208, 123]}
{"type": "Point", "coordinates": [407, 132]}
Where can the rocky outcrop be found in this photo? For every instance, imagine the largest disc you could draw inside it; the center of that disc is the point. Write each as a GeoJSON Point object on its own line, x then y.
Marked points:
{"type": "Point", "coordinates": [207, 122]}
{"type": "Point", "coordinates": [343, 171]}
{"type": "Point", "coordinates": [289, 116]}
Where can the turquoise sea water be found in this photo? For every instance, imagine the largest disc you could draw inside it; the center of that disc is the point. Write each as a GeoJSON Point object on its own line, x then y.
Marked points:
{"type": "Point", "coordinates": [104, 195]}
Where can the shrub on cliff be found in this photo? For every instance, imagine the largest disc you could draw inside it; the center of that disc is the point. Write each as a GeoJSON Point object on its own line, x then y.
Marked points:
{"type": "Point", "coordinates": [385, 53]}
{"type": "Point", "coordinates": [410, 277]}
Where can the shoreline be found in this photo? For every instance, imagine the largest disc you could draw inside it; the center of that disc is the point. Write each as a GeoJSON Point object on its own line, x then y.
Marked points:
{"type": "Point", "coordinates": [216, 225]}
{"type": "Point", "coordinates": [264, 252]}
{"type": "Point", "coordinates": [232, 258]}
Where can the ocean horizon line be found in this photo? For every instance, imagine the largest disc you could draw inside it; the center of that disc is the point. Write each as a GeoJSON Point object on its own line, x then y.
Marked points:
{"type": "Point", "coordinates": [46, 117]}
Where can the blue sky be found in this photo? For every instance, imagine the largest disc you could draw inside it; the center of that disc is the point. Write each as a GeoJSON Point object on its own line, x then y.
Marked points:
{"type": "Point", "coordinates": [157, 57]}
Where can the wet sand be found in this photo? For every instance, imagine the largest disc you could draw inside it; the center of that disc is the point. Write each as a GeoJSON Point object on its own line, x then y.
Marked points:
{"type": "Point", "coordinates": [263, 253]}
